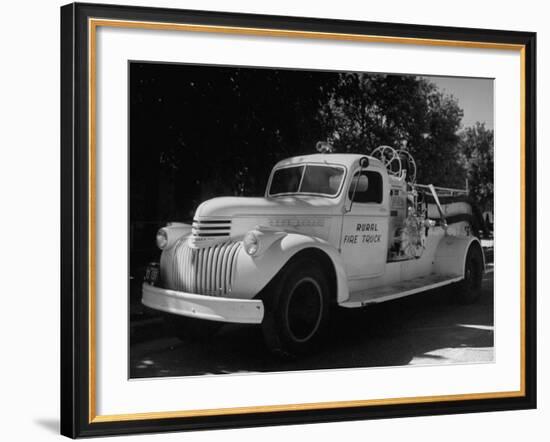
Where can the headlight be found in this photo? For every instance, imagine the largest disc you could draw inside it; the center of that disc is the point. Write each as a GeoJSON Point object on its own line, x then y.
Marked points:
{"type": "Point", "coordinates": [162, 239]}
{"type": "Point", "coordinates": [251, 243]}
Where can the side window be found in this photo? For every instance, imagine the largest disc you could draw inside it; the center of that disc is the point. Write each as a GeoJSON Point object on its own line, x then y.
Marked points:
{"type": "Point", "coordinates": [367, 187]}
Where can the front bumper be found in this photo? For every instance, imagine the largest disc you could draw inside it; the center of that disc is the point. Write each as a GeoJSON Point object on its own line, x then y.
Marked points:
{"type": "Point", "coordinates": [211, 308]}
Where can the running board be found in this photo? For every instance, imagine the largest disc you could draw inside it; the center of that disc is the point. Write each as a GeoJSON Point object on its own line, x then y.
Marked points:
{"type": "Point", "coordinates": [405, 288]}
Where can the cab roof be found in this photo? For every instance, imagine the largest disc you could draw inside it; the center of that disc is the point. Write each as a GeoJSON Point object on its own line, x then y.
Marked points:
{"type": "Point", "coordinates": [344, 159]}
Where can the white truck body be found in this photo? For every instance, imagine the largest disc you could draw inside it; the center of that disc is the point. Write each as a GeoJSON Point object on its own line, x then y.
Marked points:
{"type": "Point", "coordinates": [377, 250]}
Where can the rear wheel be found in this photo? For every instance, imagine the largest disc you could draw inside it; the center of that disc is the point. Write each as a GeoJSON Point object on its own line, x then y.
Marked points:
{"type": "Point", "coordinates": [469, 289]}
{"type": "Point", "coordinates": [296, 308]}
{"type": "Point", "coordinates": [190, 329]}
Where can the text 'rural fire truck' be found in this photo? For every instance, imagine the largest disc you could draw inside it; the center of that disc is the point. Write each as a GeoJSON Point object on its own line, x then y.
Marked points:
{"type": "Point", "coordinates": [333, 230]}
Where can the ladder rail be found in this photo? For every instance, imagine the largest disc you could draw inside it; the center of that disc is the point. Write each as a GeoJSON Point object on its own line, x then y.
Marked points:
{"type": "Point", "coordinates": [442, 190]}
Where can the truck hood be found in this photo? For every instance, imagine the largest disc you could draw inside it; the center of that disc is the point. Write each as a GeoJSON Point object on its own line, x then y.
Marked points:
{"type": "Point", "coordinates": [228, 207]}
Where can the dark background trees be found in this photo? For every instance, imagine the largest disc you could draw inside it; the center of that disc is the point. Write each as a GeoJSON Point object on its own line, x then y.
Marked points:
{"type": "Point", "coordinates": [477, 157]}
{"type": "Point", "coordinates": [202, 131]}
{"type": "Point", "coordinates": [364, 111]}
{"type": "Point", "coordinates": [198, 132]}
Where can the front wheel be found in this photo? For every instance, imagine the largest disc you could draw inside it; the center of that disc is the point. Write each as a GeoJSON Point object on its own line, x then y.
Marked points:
{"type": "Point", "coordinates": [297, 306]}
{"type": "Point", "coordinates": [468, 290]}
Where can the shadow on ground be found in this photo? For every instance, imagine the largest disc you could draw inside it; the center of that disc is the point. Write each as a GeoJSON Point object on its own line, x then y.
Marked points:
{"type": "Point", "coordinates": [422, 329]}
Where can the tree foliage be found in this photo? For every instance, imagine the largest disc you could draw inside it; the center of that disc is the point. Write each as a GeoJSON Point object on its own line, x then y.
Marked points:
{"type": "Point", "coordinates": [477, 157]}
{"type": "Point", "coordinates": [198, 132]}
{"type": "Point", "coordinates": [364, 111]}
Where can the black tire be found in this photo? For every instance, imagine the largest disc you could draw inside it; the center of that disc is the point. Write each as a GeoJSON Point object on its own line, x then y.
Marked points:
{"type": "Point", "coordinates": [190, 329]}
{"type": "Point", "coordinates": [468, 290]}
{"type": "Point", "coordinates": [297, 306]}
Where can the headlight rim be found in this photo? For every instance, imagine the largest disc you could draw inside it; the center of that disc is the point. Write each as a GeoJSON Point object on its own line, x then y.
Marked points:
{"type": "Point", "coordinates": [164, 234]}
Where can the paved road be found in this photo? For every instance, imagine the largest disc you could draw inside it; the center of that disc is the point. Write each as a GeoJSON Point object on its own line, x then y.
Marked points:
{"type": "Point", "coordinates": [422, 329]}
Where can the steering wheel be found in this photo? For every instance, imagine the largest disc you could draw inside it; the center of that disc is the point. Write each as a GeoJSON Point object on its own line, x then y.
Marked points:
{"type": "Point", "coordinates": [410, 166]}
{"type": "Point", "coordinates": [390, 159]}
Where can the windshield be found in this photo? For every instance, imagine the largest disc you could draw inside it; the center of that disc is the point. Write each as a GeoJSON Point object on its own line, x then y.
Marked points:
{"type": "Point", "coordinates": [307, 179]}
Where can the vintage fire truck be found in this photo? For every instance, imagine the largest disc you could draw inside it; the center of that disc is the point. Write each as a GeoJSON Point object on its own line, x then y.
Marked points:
{"type": "Point", "coordinates": [333, 230]}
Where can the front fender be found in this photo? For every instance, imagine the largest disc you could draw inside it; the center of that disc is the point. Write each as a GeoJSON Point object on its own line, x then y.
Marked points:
{"type": "Point", "coordinates": [175, 231]}
{"type": "Point", "coordinates": [252, 274]}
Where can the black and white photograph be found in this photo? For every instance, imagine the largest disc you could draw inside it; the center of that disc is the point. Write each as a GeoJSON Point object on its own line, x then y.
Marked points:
{"type": "Point", "coordinates": [286, 219]}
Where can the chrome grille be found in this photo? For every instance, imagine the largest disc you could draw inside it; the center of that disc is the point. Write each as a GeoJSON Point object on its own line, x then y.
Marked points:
{"type": "Point", "coordinates": [204, 271]}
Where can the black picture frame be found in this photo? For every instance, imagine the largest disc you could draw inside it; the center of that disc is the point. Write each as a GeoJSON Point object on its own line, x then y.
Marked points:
{"type": "Point", "coordinates": [76, 403]}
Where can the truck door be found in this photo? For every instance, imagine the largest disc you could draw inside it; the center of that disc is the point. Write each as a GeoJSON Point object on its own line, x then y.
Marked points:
{"type": "Point", "coordinates": [363, 241]}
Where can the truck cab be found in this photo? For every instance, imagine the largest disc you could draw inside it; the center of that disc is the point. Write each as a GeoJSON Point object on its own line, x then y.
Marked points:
{"type": "Point", "coordinates": [356, 217]}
